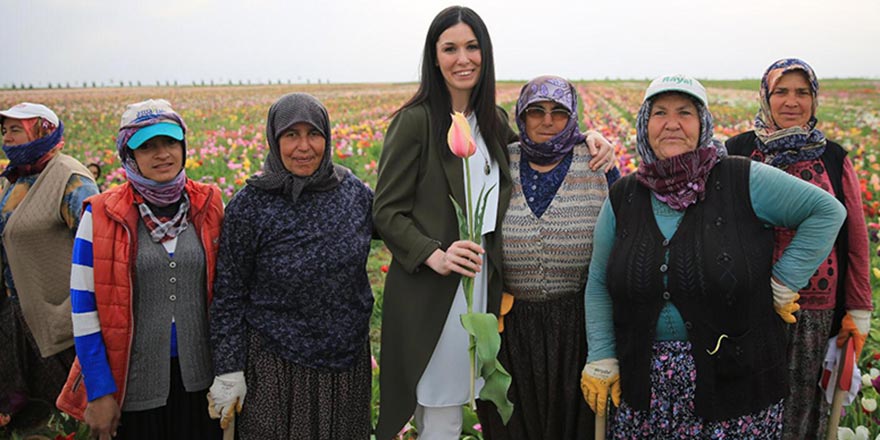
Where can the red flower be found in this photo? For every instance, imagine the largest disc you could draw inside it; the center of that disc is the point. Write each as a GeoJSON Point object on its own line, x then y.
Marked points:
{"type": "Point", "coordinates": [384, 268]}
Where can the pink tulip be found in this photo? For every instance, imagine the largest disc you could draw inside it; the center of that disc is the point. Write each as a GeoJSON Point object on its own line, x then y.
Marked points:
{"type": "Point", "coordinates": [459, 137]}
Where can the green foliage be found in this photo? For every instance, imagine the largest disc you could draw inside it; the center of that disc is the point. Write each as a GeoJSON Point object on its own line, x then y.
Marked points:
{"type": "Point", "coordinates": [483, 328]}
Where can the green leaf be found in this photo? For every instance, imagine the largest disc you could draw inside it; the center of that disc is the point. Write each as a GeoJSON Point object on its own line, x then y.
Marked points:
{"type": "Point", "coordinates": [487, 342]}
{"type": "Point", "coordinates": [480, 210]}
{"type": "Point", "coordinates": [462, 220]}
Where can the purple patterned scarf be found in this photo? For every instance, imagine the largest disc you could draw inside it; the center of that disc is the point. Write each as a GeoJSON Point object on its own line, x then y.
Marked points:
{"type": "Point", "coordinates": [679, 181]}
{"type": "Point", "coordinates": [562, 92]}
{"type": "Point", "coordinates": [159, 194]}
{"type": "Point", "coordinates": [783, 147]}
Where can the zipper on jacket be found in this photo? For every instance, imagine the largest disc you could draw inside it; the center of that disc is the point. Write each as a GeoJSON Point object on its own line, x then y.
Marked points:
{"type": "Point", "coordinates": [77, 382]}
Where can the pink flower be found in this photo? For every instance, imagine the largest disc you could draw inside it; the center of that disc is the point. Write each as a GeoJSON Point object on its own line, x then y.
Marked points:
{"type": "Point", "coordinates": [459, 137]}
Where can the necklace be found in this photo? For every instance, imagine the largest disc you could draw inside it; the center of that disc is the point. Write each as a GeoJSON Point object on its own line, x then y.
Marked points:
{"type": "Point", "coordinates": [480, 147]}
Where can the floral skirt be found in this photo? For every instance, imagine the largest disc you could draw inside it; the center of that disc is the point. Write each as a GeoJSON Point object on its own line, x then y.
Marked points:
{"type": "Point", "coordinates": [288, 401]}
{"type": "Point", "coordinates": [806, 410]}
{"type": "Point", "coordinates": [671, 413]}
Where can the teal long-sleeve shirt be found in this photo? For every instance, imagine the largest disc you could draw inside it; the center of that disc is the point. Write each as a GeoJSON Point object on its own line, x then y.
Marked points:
{"type": "Point", "coordinates": [778, 199]}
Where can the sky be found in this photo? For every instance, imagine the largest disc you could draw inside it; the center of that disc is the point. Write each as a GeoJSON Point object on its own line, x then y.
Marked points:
{"type": "Point", "coordinates": [363, 41]}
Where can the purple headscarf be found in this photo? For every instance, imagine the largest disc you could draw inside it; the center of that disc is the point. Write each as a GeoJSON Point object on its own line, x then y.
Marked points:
{"type": "Point", "coordinates": [159, 194]}
{"type": "Point", "coordinates": [783, 147]}
{"type": "Point", "coordinates": [562, 92]}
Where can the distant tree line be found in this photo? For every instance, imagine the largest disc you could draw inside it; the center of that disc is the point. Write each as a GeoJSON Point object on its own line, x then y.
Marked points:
{"type": "Point", "coordinates": [159, 83]}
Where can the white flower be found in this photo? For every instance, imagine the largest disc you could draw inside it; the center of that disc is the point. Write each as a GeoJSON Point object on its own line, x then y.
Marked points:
{"type": "Point", "coordinates": [874, 373]}
{"type": "Point", "coordinates": [845, 434]}
{"type": "Point", "coordinates": [878, 437]}
{"type": "Point", "coordinates": [862, 433]}
{"type": "Point", "coordinates": [869, 405]}
{"type": "Point", "coordinates": [866, 380]}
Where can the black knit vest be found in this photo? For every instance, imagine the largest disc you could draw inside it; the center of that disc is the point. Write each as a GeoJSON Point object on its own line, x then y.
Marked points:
{"type": "Point", "coordinates": [718, 272]}
{"type": "Point", "coordinates": [745, 144]}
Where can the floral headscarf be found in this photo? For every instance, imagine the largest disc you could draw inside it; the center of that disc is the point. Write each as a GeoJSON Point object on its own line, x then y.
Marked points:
{"type": "Point", "coordinates": [679, 181]}
{"type": "Point", "coordinates": [783, 147]}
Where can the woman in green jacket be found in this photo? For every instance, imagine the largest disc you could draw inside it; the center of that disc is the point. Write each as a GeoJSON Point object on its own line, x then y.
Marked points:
{"type": "Point", "coordinates": [424, 355]}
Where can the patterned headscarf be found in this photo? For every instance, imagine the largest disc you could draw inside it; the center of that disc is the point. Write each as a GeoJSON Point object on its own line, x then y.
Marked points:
{"type": "Point", "coordinates": [44, 141]}
{"type": "Point", "coordinates": [783, 147]}
{"type": "Point", "coordinates": [562, 92]}
{"type": "Point", "coordinates": [289, 110]}
{"type": "Point", "coordinates": [159, 194]}
{"type": "Point", "coordinates": [678, 181]}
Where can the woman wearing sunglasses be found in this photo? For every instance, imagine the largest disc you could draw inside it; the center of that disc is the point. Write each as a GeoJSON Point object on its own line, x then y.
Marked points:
{"type": "Point", "coordinates": [548, 236]}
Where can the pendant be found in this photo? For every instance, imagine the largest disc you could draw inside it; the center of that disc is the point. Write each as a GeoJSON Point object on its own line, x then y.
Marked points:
{"type": "Point", "coordinates": [486, 168]}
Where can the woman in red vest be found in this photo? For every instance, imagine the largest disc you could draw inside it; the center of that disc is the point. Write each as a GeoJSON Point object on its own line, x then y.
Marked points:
{"type": "Point", "coordinates": [141, 283]}
{"type": "Point", "coordinates": [837, 300]}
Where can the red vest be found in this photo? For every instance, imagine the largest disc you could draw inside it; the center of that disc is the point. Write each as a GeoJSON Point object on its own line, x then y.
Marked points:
{"type": "Point", "coordinates": [114, 244]}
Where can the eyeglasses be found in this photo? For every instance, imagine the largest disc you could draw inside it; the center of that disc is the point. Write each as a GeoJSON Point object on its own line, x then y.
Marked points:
{"type": "Point", "coordinates": [557, 114]}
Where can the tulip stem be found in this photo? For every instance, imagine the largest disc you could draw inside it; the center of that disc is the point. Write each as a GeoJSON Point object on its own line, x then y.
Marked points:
{"type": "Point", "coordinates": [471, 352]}
{"type": "Point", "coordinates": [470, 207]}
{"type": "Point", "coordinates": [469, 287]}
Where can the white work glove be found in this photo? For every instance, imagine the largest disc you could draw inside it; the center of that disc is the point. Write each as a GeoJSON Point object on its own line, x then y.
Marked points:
{"type": "Point", "coordinates": [862, 320]}
{"type": "Point", "coordinates": [856, 324]}
{"type": "Point", "coordinates": [599, 380]}
{"type": "Point", "coordinates": [226, 396]}
{"type": "Point", "coordinates": [784, 301]}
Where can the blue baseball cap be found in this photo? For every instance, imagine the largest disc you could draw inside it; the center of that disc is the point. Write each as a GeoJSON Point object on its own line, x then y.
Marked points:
{"type": "Point", "coordinates": [169, 129]}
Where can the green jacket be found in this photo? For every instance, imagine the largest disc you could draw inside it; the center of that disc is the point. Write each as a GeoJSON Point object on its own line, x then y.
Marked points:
{"type": "Point", "coordinates": [414, 216]}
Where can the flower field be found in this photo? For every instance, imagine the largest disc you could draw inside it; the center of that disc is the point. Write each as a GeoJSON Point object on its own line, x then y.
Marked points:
{"type": "Point", "coordinates": [226, 144]}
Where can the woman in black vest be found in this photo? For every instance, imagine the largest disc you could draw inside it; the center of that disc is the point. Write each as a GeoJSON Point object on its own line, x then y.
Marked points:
{"type": "Point", "coordinates": [683, 299]}
{"type": "Point", "coordinates": [837, 300]}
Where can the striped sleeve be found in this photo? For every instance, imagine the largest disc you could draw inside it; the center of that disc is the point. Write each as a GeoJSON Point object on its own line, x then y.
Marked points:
{"type": "Point", "coordinates": [86, 327]}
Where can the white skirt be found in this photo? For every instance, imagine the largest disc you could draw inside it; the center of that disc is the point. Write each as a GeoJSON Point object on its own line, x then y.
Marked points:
{"type": "Point", "coordinates": [446, 380]}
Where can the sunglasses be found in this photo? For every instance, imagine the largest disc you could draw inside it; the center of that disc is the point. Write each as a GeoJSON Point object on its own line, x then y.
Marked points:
{"type": "Point", "coordinates": [557, 114]}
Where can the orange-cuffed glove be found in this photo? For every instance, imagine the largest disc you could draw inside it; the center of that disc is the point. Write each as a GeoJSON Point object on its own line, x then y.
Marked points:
{"type": "Point", "coordinates": [506, 305]}
{"type": "Point", "coordinates": [855, 324]}
{"type": "Point", "coordinates": [598, 380]}
{"type": "Point", "coordinates": [784, 301]}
